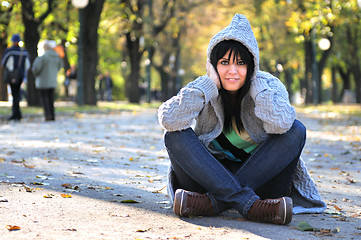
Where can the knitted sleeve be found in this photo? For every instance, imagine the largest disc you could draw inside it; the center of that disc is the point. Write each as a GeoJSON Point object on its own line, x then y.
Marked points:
{"type": "Point", "coordinates": [179, 112]}
{"type": "Point", "coordinates": [272, 104]}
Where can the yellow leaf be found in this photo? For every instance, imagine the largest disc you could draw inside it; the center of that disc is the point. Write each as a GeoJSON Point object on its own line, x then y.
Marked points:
{"type": "Point", "coordinates": [131, 159]}
{"type": "Point", "coordinates": [66, 195]}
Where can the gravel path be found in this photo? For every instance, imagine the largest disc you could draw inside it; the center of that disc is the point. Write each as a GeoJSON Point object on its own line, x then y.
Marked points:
{"type": "Point", "coordinates": [103, 176]}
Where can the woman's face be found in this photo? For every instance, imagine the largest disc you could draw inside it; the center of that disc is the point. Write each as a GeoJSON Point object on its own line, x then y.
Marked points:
{"type": "Point", "coordinates": [232, 72]}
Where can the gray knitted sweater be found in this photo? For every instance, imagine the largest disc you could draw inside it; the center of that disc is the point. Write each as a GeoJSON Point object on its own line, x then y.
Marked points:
{"type": "Point", "coordinates": [265, 110]}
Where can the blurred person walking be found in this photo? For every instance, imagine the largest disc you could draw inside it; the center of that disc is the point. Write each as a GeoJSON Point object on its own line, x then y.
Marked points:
{"type": "Point", "coordinates": [16, 63]}
{"type": "Point", "coordinates": [105, 87]}
{"type": "Point", "coordinates": [71, 83]}
{"type": "Point", "coordinates": [45, 69]}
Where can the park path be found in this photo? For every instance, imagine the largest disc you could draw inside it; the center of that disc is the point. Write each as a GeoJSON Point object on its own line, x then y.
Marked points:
{"type": "Point", "coordinates": [103, 176]}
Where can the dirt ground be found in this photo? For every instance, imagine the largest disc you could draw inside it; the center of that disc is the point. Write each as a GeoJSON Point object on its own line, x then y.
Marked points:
{"type": "Point", "coordinates": [103, 176]}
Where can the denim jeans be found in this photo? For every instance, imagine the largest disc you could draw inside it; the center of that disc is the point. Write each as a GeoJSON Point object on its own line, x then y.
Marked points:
{"type": "Point", "coordinates": [267, 173]}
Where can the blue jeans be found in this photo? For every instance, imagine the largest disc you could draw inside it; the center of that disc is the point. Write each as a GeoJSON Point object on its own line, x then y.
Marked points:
{"type": "Point", "coordinates": [267, 173]}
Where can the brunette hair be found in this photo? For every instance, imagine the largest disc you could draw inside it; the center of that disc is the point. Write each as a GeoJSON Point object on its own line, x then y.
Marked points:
{"type": "Point", "coordinates": [239, 51]}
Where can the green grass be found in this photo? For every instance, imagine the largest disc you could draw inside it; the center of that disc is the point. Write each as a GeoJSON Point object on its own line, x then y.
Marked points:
{"type": "Point", "coordinates": [114, 107]}
{"type": "Point", "coordinates": [67, 108]}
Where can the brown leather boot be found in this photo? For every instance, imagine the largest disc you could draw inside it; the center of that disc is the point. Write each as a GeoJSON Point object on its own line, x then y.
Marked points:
{"type": "Point", "coordinates": [188, 203]}
{"type": "Point", "coordinates": [277, 211]}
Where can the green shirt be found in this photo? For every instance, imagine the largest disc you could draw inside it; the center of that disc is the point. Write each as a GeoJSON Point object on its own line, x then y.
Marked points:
{"type": "Point", "coordinates": [240, 140]}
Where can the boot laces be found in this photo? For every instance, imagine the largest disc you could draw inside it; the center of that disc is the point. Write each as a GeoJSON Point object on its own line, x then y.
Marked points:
{"type": "Point", "coordinates": [198, 203]}
{"type": "Point", "coordinates": [265, 209]}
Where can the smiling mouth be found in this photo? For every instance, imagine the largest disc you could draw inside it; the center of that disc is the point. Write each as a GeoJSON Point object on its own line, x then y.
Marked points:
{"type": "Point", "coordinates": [232, 79]}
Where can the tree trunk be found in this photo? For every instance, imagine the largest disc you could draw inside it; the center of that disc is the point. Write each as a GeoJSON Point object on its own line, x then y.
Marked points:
{"type": "Point", "coordinates": [90, 22]}
{"type": "Point", "coordinates": [3, 85]}
{"type": "Point", "coordinates": [307, 83]}
{"type": "Point", "coordinates": [6, 16]}
{"type": "Point", "coordinates": [164, 83]}
{"type": "Point", "coordinates": [135, 52]}
{"type": "Point", "coordinates": [31, 38]}
{"type": "Point", "coordinates": [132, 85]}
{"type": "Point", "coordinates": [345, 76]}
{"type": "Point", "coordinates": [355, 63]}
{"type": "Point", "coordinates": [334, 85]}
{"type": "Point", "coordinates": [321, 67]}
{"type": "Point", "coordinates": [289, 80]}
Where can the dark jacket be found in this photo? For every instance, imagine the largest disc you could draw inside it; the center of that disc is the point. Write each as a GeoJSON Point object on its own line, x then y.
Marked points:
{"type": "Point", "coordinates": [13, 54]}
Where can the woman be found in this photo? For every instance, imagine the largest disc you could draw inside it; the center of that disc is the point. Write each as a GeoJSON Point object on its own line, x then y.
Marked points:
{"type": "Point", "coordinates": [244, 151]}
{"type": "Point", "coordinates": [45, 69]}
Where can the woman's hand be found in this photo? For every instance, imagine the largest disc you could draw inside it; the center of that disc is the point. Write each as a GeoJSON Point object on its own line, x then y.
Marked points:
{"type": "Point", "coordinates": [212, 74]}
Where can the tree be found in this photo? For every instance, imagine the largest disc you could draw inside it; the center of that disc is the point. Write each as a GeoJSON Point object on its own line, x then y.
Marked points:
{"type": "Point", "coordinates": [133, 14]}
{"type": "Point", "coordinates": [31, 38]}
{"type": "Point", "coordinates": [90, 18]}
{"type": "Point", "coordinates": [5, 13]}
{"type": "Point", "coordinates": [312, 20]}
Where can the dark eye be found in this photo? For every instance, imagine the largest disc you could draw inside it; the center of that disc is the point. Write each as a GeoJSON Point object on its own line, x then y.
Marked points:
{"type": "Point", "coordinates": [224, 62]}
{"type": "Point", "coordinates": [241, 62]}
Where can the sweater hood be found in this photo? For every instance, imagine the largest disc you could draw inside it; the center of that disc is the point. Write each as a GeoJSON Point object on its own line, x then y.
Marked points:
{"type": "Point", "coordinates": [239, 30]}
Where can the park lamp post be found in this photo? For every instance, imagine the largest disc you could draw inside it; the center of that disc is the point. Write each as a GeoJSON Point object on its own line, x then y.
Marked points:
{"type": "Point", "coordinates": [80, 4]}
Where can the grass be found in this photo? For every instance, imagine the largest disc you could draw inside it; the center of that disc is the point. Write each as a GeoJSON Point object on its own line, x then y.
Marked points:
{"type": "Point", "coordinates": [113, 107]}
{"type": "Point", "coordinates": [67, 108]}
{"type": "Point", "coordinates": [339, 109]}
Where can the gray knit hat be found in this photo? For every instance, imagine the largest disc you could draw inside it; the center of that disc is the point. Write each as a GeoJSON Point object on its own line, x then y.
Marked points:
{"type": "Point", "coordinates": [239, 30]}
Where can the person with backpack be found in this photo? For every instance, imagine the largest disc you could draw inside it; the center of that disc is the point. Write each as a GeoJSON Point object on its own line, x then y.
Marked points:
{"type": "Point", "coordinates": [16, 63]}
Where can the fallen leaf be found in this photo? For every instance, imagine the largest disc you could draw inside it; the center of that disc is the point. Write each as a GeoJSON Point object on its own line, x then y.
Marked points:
{"type": "Point", "coordinates": [66, 185]}
{"type": "Point", "coordinates": [41, 177]}
{"type": "Point", "coordinates": [40, 183]}
{"type": "Point", "coordinates": [65, 195]}
{"type": "Point", "coordinates": [118, 195]}
{"type": "Point", "coordinates": [27, 188]}
{"type": "Point", "coordinates": [337, 208]}
{"type": "Point", "coordinates": [303, 226]}
{"type": "Point", "coordinates": [129, 201]}
{"type": "Point", "coordinates": [3, 199]}
{"type": "Point", "coordinates": [37, 183]}
{"type": "Point", "coordinates": [351, 180]}
{"type": "Point", "coordinates": [345, 153]}
{"type": "Point", "coordinates": [16, 161]}
{"type": "Point", "coordinates": [29, 166]}
{"type": "Point", "coordinates": [49, 195]}
{"type": "Point", "coordinates": [158, 191]}
{"type": "Point", "coordinates": [12, 227]}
